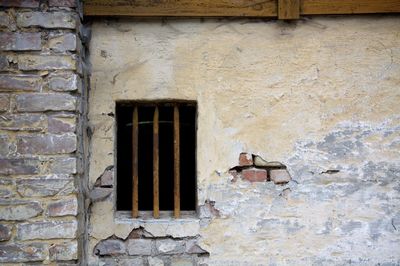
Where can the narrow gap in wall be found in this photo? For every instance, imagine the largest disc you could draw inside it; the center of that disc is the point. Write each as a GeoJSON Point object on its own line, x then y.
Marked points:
{"type": "Point", "coordinates": [145, 161]}
{"type": "Point", "coordinates": [124, 157]}
{"type": "Point", "coordinates": [188, 157]}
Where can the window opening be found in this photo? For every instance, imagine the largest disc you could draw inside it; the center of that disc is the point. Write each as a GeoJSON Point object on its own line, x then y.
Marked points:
{"type": "Point", "coordinates": [156, 143]}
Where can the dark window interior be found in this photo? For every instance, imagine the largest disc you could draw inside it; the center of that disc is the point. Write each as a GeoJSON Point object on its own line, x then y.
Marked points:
{"type": "Point", "coordinates": [124, 114]}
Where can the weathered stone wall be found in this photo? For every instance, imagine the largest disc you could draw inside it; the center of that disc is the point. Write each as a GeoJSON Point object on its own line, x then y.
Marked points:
{"type": "Point", "coordinates": [319, 95]}
{"type": "Point", "coordinates": [41, 75]}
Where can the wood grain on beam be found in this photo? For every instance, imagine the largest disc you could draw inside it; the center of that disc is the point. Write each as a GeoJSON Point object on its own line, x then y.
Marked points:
{"type": "Point", "coordinates": [321, 7]}
{"type": "Point", "coordinates": [181, 8]}
{"type": "Point", "coordinates": [236, 8]}
{"type": "Point", "coordinates": [288, 9]}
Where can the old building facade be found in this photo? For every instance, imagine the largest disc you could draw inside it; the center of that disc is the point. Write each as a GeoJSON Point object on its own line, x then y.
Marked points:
{"type": "Point", "coordinates": [318, 95]}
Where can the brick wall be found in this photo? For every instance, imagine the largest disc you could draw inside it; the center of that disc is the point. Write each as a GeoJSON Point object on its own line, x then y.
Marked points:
{"type": "Point", "coordinates": [41, 75]}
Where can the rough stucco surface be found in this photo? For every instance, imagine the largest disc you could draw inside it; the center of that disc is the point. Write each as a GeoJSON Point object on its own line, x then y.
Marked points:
{"type": "Point", "coordinates": [320, 95]}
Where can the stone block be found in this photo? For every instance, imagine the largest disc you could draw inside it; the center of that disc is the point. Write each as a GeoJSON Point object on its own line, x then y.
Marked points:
{"type": "Point", "coordinates": [117, 261]}
{"type": "Point", "coordinates": [4, 145]}
{"type": "Point", "coordinates": [62, 42]}
{"type": "Point", "coordinates": [140, 247]}
{"type": "Point", "coordinates": [51, 20]}
{"type": "Point", "coordinates": [62, 3]}
{"type": "Point", "coordinates": [62, 208]}
{"type": "Point", "coordinates": [19, 210]}
{"type": "Point", "coordinates": [20, 3]}
{"type": "Point", "coordinates": [155, 261]}
{"type": "Point", "coordinates": [6, 193]}
{"type": "Point", "coordinates": [107, 178]}
{"type": "Point", "coordinates": [245, 159]}
{"type": "Point", "coordinates": [40, 102]}
{"type": "Point", "coordinates": [64, 82]}
{"type": "Point", "coordinates": [19, 166]}
{"type": "Point", "coordinates": [260, 162]}
{"type": "Point", "coordinates": [6, 21]}
{"type": "Point", "coordinates": [254, 175]}
{"type": "Point", "coordinates": [193, 248]}
{"type": "Point", "coordinates": [170, 246]}
{"type": "Point", "coordinates": [5, 232]}
{"type": "Point", "coordinates": [23, 252]}
{"type": "Point", "coordinates": [46, 144]}
{"type": "Point", "coordinates": [110, 247]}
{"type": "Point", "coordinates": [25, 41]}
{"type": "Point", "coordinates": [4, 102]}
{"type": "Point", "coordinates": [20, 82]}
{"type": "Point", "coordinates": [182, 261]}
{"type": "Point", "coordinates": [280, 176]}
{"type": "Point", "coordinates": [47, 230]}
{"type": "Point", "coordinates": [43, 187]}
{"type": "Point", "coordinates": [23, 122]}
{"type": "Point", "coordinates": [64, 252]}
{"type": "Point", "coordinates": [61, 165]}
{"type": "Point", "coordinates": [4, 64]}
{"type": "Point", "coordinates": [59, 125]}
{"type": "Point", "coordinates": [46, 62]}
{"type": "Point", "coordinates": [99, 193]}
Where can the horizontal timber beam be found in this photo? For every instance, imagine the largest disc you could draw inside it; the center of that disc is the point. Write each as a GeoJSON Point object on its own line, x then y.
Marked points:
{"type": "Point", "coordinates": [236, 8]}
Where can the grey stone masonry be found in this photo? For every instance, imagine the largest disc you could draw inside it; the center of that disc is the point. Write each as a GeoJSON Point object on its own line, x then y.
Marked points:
{"type": "Point", "coordinates": [42, 76]}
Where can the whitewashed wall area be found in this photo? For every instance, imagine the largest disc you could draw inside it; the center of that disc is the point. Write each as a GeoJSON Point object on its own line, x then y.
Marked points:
{"type": "Point", "coordinates": [319, 95]}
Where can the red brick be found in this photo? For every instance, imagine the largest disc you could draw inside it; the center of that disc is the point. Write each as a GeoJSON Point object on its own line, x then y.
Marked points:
{"type": "Point", "coordinates": [254, 175]}
{"type": "Point", "coordinates": [245, 159]}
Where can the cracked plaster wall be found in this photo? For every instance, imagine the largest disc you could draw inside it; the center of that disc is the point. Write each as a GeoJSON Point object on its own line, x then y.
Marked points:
{"type": "Point", "coordinates": [320, 95]}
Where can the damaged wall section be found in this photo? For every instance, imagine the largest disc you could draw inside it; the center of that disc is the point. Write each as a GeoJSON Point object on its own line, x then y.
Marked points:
{"type": "Point", "coordinates": [318, 95]}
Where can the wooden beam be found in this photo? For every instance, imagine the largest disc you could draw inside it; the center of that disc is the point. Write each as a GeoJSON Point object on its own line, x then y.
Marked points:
{"type": "Point", "coordinates": [288, 9]}
{"type": "Point", "coordinates": [135, 166]}
{"type": "Point", "coordinates": [322, 7]}
{"type": "Point", "coordinates": [181, 8]}
{"type": "Point", "coordinates": [236, 8]}
{"type": "Point", "coordinates": [177, 163]}
{"type": "Point", "coordinates": [156, 197]}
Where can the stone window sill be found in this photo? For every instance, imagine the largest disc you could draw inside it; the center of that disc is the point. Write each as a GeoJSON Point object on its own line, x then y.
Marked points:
{"type": "Point", "coordinates": [147, 217]}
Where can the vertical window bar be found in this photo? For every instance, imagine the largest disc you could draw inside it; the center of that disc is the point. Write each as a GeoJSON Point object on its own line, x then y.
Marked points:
{"type": "Point", "coordinates": [156, 208]}
{"type": "Point", "coordinates": [135, 148]}
{"type": "Point", "coordinates": [177, 198]}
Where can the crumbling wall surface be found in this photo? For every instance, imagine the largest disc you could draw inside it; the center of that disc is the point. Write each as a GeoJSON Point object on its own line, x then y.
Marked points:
{"type": "Point", "coordinates": [41, 76]}
{"type": "Point", "coordinates": [320, 95]}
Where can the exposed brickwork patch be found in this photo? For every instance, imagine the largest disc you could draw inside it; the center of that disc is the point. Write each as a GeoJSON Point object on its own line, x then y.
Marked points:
{"type": "Point", "coordinates": [254, 168]}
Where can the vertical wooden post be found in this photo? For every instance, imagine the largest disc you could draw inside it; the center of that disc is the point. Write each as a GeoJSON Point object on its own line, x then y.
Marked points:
{"type": "Point", "coordinates": [288, 9]}
{"type": "Point", "coordinates": [135, 148]}
{"type": "Point", "coordinates": [177, 198]}
{"type": "Point", "coordinates": [156, 208]}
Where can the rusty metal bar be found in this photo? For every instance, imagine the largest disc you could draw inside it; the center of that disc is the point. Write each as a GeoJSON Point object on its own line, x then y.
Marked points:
{"type": "Point", "coordinates": [156, 207]}
{"type": "Point", "coordinates": [135, 149]}
{"type": "Point", "coordinates": [177, 198]}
